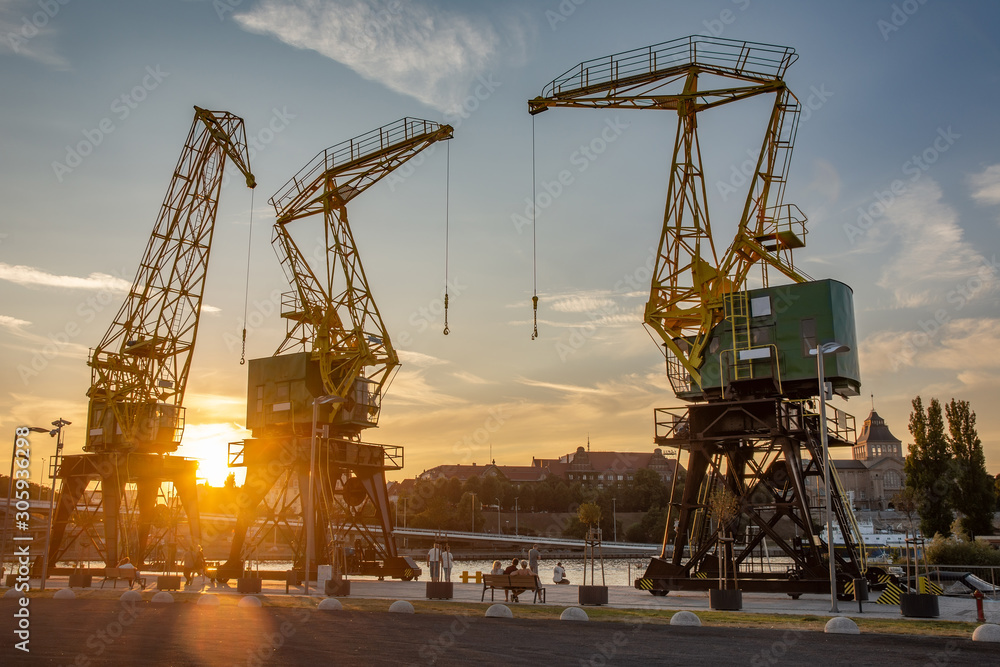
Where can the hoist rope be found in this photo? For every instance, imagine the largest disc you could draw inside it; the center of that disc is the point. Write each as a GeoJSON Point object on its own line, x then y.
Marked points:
{"type": "Point", "coordinates": [534, 240]}
{"type": "Point", "coordinates": [246, 290]}
{"type": "Point", "coordinates": [447, 230]}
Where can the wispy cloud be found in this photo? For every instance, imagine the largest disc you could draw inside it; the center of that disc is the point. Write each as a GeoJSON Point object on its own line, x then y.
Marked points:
{"type": "Point", "coordinates": [410, 47]}
{"type": "Point", "coordinates": [928, 255]}
{"type": "Point", "coordinates": [32, 277]}
{"type": "Point", "coordinates": [986, 185]}
{"type": "Point", "coordinates": [28, 30]}
{"type": "Point", "coordinates": [13, 323]}
{"type": "Point", "coordinates": [960, 345]}
{"type": "Point", "coordinates": [562, 388]}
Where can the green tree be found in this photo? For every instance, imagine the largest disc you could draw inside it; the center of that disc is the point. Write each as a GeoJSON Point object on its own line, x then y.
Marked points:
{"type": "Point", "coordinates": [928, 468]}
{"type": "Point", "coordinates": [973, 492]}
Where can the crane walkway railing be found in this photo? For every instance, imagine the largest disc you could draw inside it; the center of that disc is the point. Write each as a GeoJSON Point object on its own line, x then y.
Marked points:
{"type": "Point", "coordinates": [745, 59]}
{"type": "Point", "coordinates": [351, 152]}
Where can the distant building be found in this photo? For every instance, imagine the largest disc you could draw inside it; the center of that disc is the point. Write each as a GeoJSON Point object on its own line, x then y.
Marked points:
{"type": "Point", "coordinates": [875, 473]}
{"type": "Point", "coordinates": [605, 468]}
{"type": "Point", "coordinates": [589, 468]}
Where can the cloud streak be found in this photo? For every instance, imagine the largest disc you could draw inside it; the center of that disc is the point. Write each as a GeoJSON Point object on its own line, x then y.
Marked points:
{"type": "Point", "coordinates": [932, 255]}
{"type": "Point", "coordinates": [411, 48]}
{"type": "Point", "coordinates": [29, 276]}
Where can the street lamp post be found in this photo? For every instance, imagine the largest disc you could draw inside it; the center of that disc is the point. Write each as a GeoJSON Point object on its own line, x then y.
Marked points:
{"type": "Point", "coordinates": [516, 531]}
{"type": "Point", "coordinates": [310, 517]}
{"type": "Point", "coordinates": [614, 516]}
{"type": "Point", "coordinates": [10, 486]}
{"type": "Point", "coordinates": [473, 512]}
{"type": "Point", "coordinates": [820, 353]}
{"type": "Point", "coordinates": [58, 433]}
{"type": "Point", "coordinates": [499, 532]}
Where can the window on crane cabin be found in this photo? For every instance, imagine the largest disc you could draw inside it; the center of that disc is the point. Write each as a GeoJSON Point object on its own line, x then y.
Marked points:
{"type": "Point", "coordinates": [807, 327]}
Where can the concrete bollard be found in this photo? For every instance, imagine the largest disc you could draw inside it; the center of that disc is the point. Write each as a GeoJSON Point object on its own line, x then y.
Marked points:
{"type": "Point", "coordinates": [330, 604]}
{"type": "Point", "coordinates": [132, 596]}
{"type": "Point", "coordinates": [685, 618]}
{"type": "Point", "coordinates": [841, 625]}
{"type": "Point", "coordinates": [988, 632]}
{"type": "Point", "coordinates": [64, 594]}
{"type": "Point", "coordinates": [401, 607]}
{"type": "Point", "coordinates": [163, 598]}
{"type": "Point", "coordinates": [499, 611]}
{"type": "Point", "coordinates": [208, 600]}
{"type": "Point", "coordinates": [573, 614]}
{"type": "Point", "coordinates": [249, 602]}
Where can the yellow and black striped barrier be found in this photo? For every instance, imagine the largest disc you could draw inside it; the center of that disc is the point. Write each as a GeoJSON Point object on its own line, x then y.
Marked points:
{"type": "Point", "coordinates": [925, 585]}
{"type": "Point", "coordinates": [890, 595]}
{"type": "Point", "coordinates": [645, 584]}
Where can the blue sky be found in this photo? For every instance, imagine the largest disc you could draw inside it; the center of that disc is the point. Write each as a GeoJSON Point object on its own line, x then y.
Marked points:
{"type": "Point", "coordinates": [896, 165]}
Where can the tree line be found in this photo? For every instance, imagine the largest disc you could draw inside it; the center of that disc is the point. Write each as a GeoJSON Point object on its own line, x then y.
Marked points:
{"type": "Point", "coordinates": [451, 504]}
{"type": "Point", "coordinates": [946, 471]}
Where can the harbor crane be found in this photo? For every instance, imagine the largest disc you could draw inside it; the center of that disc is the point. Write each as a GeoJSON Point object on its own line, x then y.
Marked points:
{"type": "Point", "coordinates": [744, 358]}
{"type": "Point", "coordinates": [139, 370]}
{"type": "Point", "coordinates": [308, 405]}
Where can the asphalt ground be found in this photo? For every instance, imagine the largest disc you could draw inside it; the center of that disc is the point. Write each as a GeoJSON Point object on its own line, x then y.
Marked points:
{"type": "Point", "coordinates": [86, 632]}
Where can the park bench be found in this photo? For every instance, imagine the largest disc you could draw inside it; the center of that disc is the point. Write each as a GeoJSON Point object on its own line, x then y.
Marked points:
{"type": "Point", "coordinates": [128, 574]}
{"type": "Point", "coordinates": [516, 584]}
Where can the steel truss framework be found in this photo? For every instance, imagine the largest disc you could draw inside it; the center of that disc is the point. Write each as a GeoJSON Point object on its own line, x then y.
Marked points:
{"type": "Point", "coordinates": [690, 280]}
{"type": "Point", "coordinates": [139, 370]}
{"type": "Point", "coordinates": [332, 315]}
{"type": "Point", "coordinates": [764, 452]}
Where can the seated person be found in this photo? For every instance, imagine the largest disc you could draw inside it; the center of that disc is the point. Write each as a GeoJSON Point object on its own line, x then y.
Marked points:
{"type": "Point", "coordinates": [512, 568]}
{"type": "Point", "coordinates": [525, 571]}
{"type": "Point", "coordinates": [559, 574]}
{"type": "Point", "coordinates": [497, 568]}
{"type": "Point", "coordinates": [129, 573]}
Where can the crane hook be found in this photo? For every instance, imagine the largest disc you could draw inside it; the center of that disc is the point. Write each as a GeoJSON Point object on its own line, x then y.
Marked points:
{"type": "Point", "coordinates": [534, 307]}
{"type": "Point", "coordinates": [446, 329]}
{"type": "Point", "coordinates": [243, 354]}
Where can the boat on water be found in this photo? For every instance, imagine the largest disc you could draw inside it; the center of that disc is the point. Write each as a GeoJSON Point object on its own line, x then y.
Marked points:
{"type": "Point", "coordinates": [878, 542]}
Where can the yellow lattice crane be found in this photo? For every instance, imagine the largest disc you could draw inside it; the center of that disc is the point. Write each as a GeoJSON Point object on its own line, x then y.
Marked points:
{"type": "Point", "coordinates": [748, 359]}
{"type": "Point", "coordinates": [691, 280]}
{"type": "Point", "coordinates": [308, 404]}
{"type": "Point", "coordinates": [140, 368]}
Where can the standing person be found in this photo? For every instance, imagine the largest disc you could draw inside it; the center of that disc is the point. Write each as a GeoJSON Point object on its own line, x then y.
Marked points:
{"type": "Point", "coordinates": [447, 560]}
{"type": "Point", "coordinates": [533, 557]}
{"type": "Point", "coordinates": [559, 574]}
{"type": "Point", "coordinates": [189, 565]}
{"type": "Point", "coordinates": [199, 562]}
{"type": "Point", "coordinates": [434, 562]}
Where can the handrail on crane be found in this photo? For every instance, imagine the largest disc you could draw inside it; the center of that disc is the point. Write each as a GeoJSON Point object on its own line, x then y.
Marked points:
{"type": "Point", "coordinates": [353, 152]}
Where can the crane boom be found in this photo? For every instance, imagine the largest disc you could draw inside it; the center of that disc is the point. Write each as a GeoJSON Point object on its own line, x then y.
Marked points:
{"type": "Point", "coordinates": [331, 311]}
{"type": "Point", "coordinates": [140, 368]}
{"type": "Point", "coordinates": [691, 281]}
